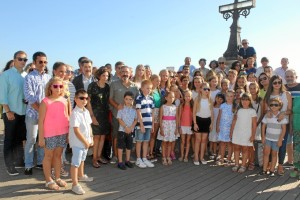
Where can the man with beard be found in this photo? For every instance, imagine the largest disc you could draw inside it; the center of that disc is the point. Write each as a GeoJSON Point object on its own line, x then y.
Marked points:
{"type": "Point", "coordinates": [116, 98]}
{"type": "Point", "coordinates": [83, 80]}
{"type": "Point", "coordinates": [294, 88]}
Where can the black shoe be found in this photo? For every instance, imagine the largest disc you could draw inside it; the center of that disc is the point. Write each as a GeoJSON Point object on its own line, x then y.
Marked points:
{"type": "Point", "coordinates": [262, 173]}
{"type": "Point", "coordinates": [28, 171]}
{"type": "Point", "coordinates": [121, 166]}
{"type": "Point", "coordinates": [12, 171]}
{"type": "Point", "coordinates": [129, 164]}
{"type": "Point", "coordinates": [39, 166]}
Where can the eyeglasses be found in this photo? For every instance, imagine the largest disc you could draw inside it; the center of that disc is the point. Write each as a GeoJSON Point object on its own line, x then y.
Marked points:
{"type": "Point", "coordinates": [206, 89]}
{"type": "Point", "coordinates": [69, 72]}
{"type": "Point", "coordinates": [83, 98]}
{"type": "Point", "coordinates": [221, 63]}
{"type": "Point", "coordinates": [185, 80]}
{"type": "Point", "coordinates": [43, 62]}
{"type": "Point", "coordinates": [57, 86]}
{"type": "Point", "coordinates": [22, 59]}
{"type": "Point", "coordinates": [277, 83]}
{"type": "Point", "coordinates": [263, 79]}
{"type": "Point", "coordinates": [274, 105]}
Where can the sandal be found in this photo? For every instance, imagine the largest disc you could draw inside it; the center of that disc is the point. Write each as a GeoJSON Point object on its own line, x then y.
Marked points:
{"type": "Point", "coordinates": [61, 183]}
{"type": "Point", "coordinates": [169, 161]}
{"type": "Point", "coordinates": [164, 161]}
{"type": "Point", "coordinates": [96, 164]}
{"type": "Point", "coordinates": [251, 167]}
{"type": "Point", "coordinates": [52, 186]}
{"type": "Point", "coordinates": [242, 169]}
{"type": "Point", "coordinates": [180, 159]}
{"type": "Point", "coordinates": [280, 171]}
{"type": "Point", "coordinates": [103, 161]}
{"type": "Point", "coordinates": [235, 168]}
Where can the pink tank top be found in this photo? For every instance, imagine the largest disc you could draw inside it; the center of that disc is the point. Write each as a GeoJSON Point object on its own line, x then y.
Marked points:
{"type": "Point", "coordinates": [186, 116]}
{"type": "Point", "coordinates": [56, 120]}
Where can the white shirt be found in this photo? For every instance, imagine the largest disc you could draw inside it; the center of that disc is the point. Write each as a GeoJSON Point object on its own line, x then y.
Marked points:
{"type": "Point", "coordinates": [281, 72]}
{"type": "Point", "coordinates": [204, 111]}
{"type": "Point", "coordinates": [86, 81]}
{"type": "Point", "coordinates": [81, 119]}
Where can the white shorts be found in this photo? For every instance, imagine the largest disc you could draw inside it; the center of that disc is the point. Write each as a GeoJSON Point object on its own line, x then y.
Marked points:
{"type": "Point", "coordinates": [156, 115]}
{"type": "Point", "coordinates": [186, 130]}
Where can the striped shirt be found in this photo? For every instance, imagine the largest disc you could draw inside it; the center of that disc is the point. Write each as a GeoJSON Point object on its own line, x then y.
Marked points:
{"type": "Point", "coordinates": [295, 91]}
{"type": "Point", "coordinates": [145, 104]}
{"type": "Point", "coordinates": [273, 127]}
{"type": "Point", "coordinates": [34, 91]}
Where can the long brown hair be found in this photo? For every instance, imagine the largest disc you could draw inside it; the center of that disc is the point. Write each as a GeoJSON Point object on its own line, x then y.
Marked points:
{"type": "Point", "coordinates": [270, 88]}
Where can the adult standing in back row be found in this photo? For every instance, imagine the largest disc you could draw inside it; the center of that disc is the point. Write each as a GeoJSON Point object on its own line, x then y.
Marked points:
{"type": "Point", "coordinates": [11, 97]}
{"type": "Point", "coordinates": [245, 52]}
{"type": "Point", "coordinates": [34, 91]}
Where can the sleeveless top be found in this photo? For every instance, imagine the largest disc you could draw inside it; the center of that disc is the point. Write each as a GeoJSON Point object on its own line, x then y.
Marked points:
{"type": "Point", "coordinates": [204, 111]}
{"type": "Point", "coordinates": [56, 120]}
{"type": "Point", "coordinates": [186, 116]}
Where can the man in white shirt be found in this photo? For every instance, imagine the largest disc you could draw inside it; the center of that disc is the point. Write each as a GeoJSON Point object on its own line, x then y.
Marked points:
{"type": "Point", "coordinates": [280, 71]}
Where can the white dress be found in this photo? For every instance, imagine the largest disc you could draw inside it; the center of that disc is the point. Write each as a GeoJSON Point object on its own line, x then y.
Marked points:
{"type": "Point", "coordinates": [169, 126]}
{"type": "Point", "coordinates": [213, 136]}
{"type": "Point", "coordinates": [243, 127]}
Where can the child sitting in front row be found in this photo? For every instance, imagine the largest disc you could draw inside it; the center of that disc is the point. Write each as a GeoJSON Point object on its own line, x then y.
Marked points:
{"type": "Point", "coordinates": [127, 119]}
{"type": "Point", "coordinates": [272, 133]}
{"type": "Point", "coordinates": [80, 139]}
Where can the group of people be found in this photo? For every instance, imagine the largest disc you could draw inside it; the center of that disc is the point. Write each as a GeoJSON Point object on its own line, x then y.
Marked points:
{"type": "Point", "coordinates": [202, 113]}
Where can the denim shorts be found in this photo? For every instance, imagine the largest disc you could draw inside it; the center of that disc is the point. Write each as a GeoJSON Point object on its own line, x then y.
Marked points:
{"type": "Point", "coordinates": [79, 155]}
{"type": "Point", "coordinates": [141, 137]}
{"type": "Point", "coordinates": [272, 145]}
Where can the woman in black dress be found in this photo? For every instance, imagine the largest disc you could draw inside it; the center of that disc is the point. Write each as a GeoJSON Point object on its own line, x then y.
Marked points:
{"type": "Point", "coordinates": [98, 106]}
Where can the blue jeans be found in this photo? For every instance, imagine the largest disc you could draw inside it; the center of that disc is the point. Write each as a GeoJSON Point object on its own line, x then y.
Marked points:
{"type": "Point", "coordinates": [31, 136]}
{"type": "Point", "coordinates": [282, 149]}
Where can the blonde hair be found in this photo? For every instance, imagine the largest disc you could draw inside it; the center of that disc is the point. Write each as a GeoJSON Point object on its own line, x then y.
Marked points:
{"type": "Point", "coordinates": [48, 91]}
{"type": "Point", "coordinates": [135, 74]}
{"type": "Point", "coordinates": [167, 84]}
{"type": "Point", "coordinates": [153, 77]}
{"type": "Point", "coordinates": [199, 97]}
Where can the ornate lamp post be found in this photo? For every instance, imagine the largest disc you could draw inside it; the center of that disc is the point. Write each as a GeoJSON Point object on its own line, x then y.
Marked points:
{"type": "Point", "coordinates": [234, 10]}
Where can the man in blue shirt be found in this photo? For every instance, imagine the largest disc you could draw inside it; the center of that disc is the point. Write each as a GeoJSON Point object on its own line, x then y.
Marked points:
{"type": "Point", "coordinates": [245, 52]}
{"type": "Point", "coordinates": [11, 97]}
{"type": "Point", "coordinates": [187, 62]}
{"type": "Point", "coordinates": [34, 91]}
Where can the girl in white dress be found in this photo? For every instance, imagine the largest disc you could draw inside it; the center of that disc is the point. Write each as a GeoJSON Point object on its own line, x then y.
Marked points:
{"type": "Point", "coordinates": [168, 127]}
{"type": "Point", "coordinates": [243, 131]}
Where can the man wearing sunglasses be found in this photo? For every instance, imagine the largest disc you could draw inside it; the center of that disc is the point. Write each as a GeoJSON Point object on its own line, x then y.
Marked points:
{"type": "Point", "coordinates": [34, 91]}
{"type": "Point", "coordinates": [245, 52]}
{"type": "Point", "coordinates": [11, 98]}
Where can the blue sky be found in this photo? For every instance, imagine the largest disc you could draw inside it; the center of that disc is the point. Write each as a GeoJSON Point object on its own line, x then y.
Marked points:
{"type": "Point", "coordinates": [157, 32]}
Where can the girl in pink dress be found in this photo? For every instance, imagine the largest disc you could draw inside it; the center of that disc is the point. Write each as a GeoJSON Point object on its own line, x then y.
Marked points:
{"type": "Point", "coordinates": [53, 128]}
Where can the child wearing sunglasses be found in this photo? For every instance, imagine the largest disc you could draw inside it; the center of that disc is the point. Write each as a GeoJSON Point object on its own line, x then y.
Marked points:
{"type": "Point", "coordinates": [80, 139]}
{"type": "Point", "coordinates": [53, 127]}
{"type": "Point", "coordinates": [273, 132]}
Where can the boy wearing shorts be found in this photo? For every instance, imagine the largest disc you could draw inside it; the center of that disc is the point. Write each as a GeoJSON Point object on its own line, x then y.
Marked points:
{"type": "Point", "coordinates": [127, 119]}
{"type": "Point", "coordinates": [144, 109]}
{"type": "Point", "coordinates": [80, 139]}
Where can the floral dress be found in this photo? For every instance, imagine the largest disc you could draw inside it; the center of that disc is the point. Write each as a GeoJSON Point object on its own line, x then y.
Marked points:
{"type": "Point", "coordinates": [225, 122]}
{"type": "Point", "coordinates": [168, 124]}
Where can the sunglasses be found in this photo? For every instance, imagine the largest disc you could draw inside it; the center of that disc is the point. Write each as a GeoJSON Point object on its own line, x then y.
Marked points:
{"type": "Point", "coordinates": [83, 98]}
{"type": "Point", "coordinates": [57, 86]}
{"type": "Point", "coordinates": [263, 79]}
{"type": "Point", "coordinates": [274, 105]}
{"type": "Point", "coordinates": [206, 89]}
{"type": "Point", "coordinates": [69, 72]}
{"type": "Point", "coordinates": [277, 83]}
{"type": "Point", "coordinates": [22, 59]}
{"type": "Point", "coordinates": [43, 62]}
{"type": "Point", "coordinates": [221, 63]}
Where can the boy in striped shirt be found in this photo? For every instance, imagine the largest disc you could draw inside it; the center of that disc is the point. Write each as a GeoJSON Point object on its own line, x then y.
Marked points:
{"type": "Point", "coordinates": [144, 109]}
{"type": "Point", "coordinates": [272, 132]}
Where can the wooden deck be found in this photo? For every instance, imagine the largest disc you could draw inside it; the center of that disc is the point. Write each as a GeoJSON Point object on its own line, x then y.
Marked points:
{"type": "Point", "coordinates": [179, 181]}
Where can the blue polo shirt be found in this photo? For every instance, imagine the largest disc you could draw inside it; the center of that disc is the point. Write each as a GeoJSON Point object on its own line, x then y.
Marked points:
{"type": "Point", "coordinates": [11, 91]}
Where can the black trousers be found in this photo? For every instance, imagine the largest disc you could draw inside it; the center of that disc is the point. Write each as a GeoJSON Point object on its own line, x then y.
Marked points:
{"type": "Point", "coordinates": [14, 134]}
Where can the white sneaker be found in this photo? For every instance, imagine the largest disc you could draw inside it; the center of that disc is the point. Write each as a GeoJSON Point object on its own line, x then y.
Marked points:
{"type": "Point", "coordinates": [85, 178]}
{"type": "Point", "coordinates": [140, 163]}
{"type": "Point", "coordinates": [148, 163]}
{"type": "Point", "coordinates": [203, 162]}
{"type": "Point", "coordinates": [196, 163]}
{"type": "Point", "coordinates": [78, 189]}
